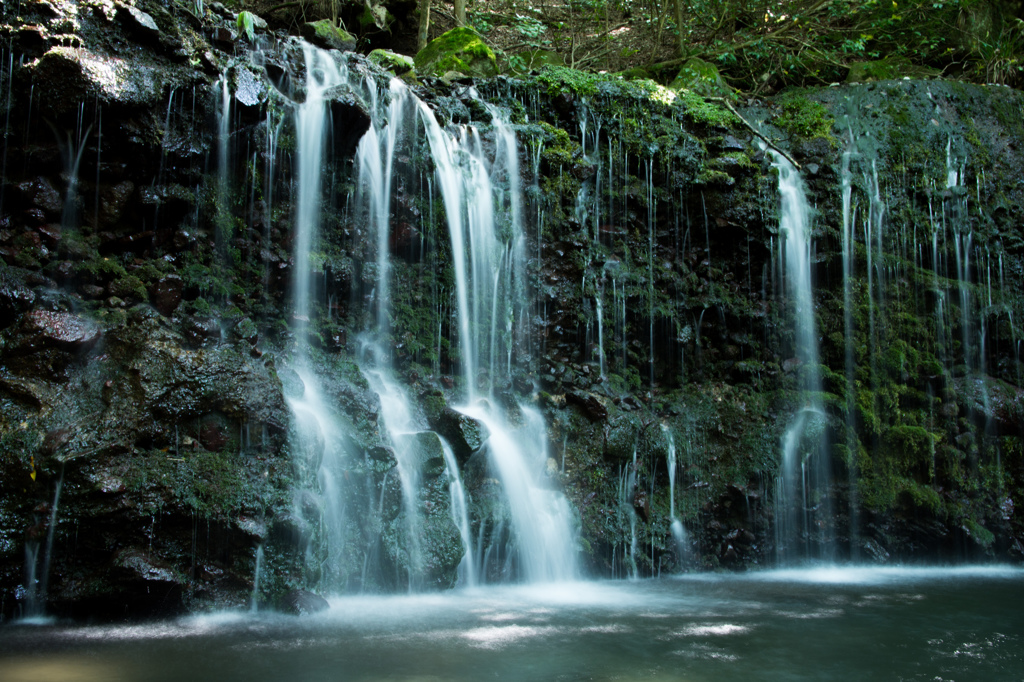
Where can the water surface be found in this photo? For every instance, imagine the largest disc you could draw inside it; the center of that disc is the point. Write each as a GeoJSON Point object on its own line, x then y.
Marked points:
{"type": "Point", "coordinates": [814, 624]}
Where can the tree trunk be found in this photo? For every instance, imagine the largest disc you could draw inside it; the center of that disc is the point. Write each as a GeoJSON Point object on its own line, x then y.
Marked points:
{"type": "Point", "coordinates": [679, 26]}
{"type": "Point", "coordinates": [424, 29]}
{"type": "Point", "coordinates": [460, 12]}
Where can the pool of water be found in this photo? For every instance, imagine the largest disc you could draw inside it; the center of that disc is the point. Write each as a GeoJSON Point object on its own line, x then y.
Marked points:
{"type": "Point", "coordinates": [813, 624]}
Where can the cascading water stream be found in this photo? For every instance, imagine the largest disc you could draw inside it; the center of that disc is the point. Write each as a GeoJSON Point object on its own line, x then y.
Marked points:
{"type": "Point", "coordinates": [805, 471]}
{"type": "Point", "coordinates": [540, 516]}
{"type": "Point", "coordinates": [626, 494]}
{"type": "Point", "coordinates": [37, 577]}
{"type": "Point", "coordinates": [491, 306]}
{"type": "Point", "coordinates": [375, 159]}
{"type": "Point", "coordinates": [256, 575]}
{"type": "Point", "coordinates": [318, 436]}
{"type": "Point", "coordinates": [676, 527]}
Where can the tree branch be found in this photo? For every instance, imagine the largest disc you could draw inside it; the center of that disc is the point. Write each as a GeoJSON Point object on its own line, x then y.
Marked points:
{"type": "Point", "coordinates": [758, 133]}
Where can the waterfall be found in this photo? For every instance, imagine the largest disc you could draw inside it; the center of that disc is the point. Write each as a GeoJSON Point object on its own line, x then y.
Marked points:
{"type": "Point", "coordinates": [488, 257]}
{"type": "Point", "coordinates": [805, 471]}
{"type": "Point", "coordinates": [480, 188]}
{"type": "Point", "coordinates": [223, 214]}
{"type": "Point", "coordinates": [319, 436]}
{"type": "Point", "coordinates": [37, 578]}
{"type": "Point", "coordinates": [256, 574]}
{"type": "Point", "coordinates": [676, 527]}
{"type": "Point", "coordinates": [460, 516]}
{"type": "Point", "coordinates": [626, 495]}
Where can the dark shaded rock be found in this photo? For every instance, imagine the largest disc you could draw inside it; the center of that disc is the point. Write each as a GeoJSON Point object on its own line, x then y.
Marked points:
{"type": "Point", "coordinates": [142, 566]}
{"type": "Point", "coordinates": [41, 194]}
{"type": "Point", "coordinates": [427, 449]}
{"type": "Point", "coordinates": [141, 23]}
{"type": "Point", "coordinates": [223, 37]}
{"type": "Point", "coordinates": [15, 297]}
{"type": "Point", "coordinates": [113, 201]}
{"type": "Point", "coordinates": [32, 393]}
{"type": "Point", "coordinates": [50, 234]}
{"type": "Point", "coordinates": [303, 603]}
{"type": "Point", "coordinates": [642, 505]}
{"type": "Point", "coordinates": [166, 294]}
{"type": "Point", "coordinates": [255, 528]}
{"type": "Point", "coordinates": [176, 383]}
{"type": "Point", "coordinates": [463, 433]}
{"type": "Point", "coordinates": [996, 402]}
{"type": "Point", "coordinates": [65, 76]}
{"type": "Point", "coordinates": [589, 404]}
{"type": "Point", "coordinates": [249, 91]}
{"type": "Point", "coordinates": [91, 291]}
{"type": "Point", "coordinates": [201, 329]}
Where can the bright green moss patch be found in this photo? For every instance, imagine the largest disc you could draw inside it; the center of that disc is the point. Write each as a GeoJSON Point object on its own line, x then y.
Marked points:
{"type": "Point", "coordinates": [805, 118]}
{"type": "Point", "coordinates": [462, 50]}
{"type": "Point", "coordinates": [705, 113]}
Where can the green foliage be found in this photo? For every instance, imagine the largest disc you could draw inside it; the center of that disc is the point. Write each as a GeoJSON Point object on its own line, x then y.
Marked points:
{"type": "Point", "coordinates": [247, 25]}
{"type": "Point", "coordinates": [773, 45]}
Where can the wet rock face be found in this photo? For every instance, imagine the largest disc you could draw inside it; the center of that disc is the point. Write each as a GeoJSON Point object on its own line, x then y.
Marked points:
{"type": "Point", "coordinates": [146, 326]}
{"type": "Point", "coordinates": [15, 297]}
{"type": "Point", "coordinates": [42, 329]}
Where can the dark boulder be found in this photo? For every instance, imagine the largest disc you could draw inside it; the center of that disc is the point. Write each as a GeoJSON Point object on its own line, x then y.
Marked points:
{"type": "Point", "coordinates": [166, 294]}
{"type": "Point", "coordinates": [303, 603]}
{"type": "Point", "coordinates": [44, 329]}
{"type": "Point", "coordinates": [15, 297]}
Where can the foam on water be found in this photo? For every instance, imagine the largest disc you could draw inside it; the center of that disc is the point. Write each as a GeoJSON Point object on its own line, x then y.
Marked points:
{"type": "Point", "coordinates": [866, 575]}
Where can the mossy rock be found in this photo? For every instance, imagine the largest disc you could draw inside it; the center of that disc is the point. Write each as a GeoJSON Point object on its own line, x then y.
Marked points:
{"type": "Point", "coordinates": [461, 49]}
{"type": "Point", "coordinates": [805, 118]}
{"type": "Point", "coordinates": [538, 59]}
{"type": "Point", "coordinates": [701, 77]}
{"type": "Point", "coordinates": [392, 61]}
{"type": "Point", "coordinates": [328, 36]}
{"type": "Point", "coordinates": [890, 68]}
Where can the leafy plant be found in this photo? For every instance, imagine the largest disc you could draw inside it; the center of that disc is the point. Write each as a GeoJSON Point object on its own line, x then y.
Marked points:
{"type": "Point", "coordinates": [247, 25]}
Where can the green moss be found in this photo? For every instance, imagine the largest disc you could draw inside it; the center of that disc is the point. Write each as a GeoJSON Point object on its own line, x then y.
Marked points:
{"type": "Point", "coordinates": [558, 79]}
{"type": "Point", "coordinates": [559, 149]}
{"type": "Point", "coordinates": [100, 270]}
{"type": "Point", "coordinates": [129, 288]}
{"type": "Point", "coordinates": [890, 68]}
{"type": "Point", "coordinates": [702, 78]}
{"type": "Point", "coordinates": [805, 118]}
{"type": "Point", "coordinates": [328, 35]}
{"type": "Point", "coordinates": [462, 50]}
{"type": "Point", "coordinates": [215, 484]}
{"type": "Point", "coordinates": [392, 61]}
{"type": "Point", "coordinates": [700, 111]}
{"type": "Point", "coordinates": [981, 535]}
{"type": "Point", "coordinates": [715, 177]}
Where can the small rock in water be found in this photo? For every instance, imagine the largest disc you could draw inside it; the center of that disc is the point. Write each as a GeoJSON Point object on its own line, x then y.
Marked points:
{"type": "Point", "coordinates": [303, 603]}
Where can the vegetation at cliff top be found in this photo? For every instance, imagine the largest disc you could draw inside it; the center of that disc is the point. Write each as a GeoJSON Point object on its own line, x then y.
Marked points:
{"type": "Point", "coordinates": [759, 47]}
